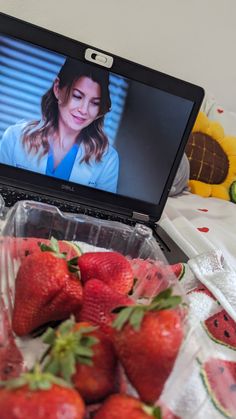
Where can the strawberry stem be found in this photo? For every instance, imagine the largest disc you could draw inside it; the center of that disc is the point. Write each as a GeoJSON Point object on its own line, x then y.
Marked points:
{"type": "Point", "coordinates": [134, 314]}
{"type": "Point", "coordinates": [35, 380]}
{"type": "Point", "coordinates": [54, 248]}
{"type": "Point", "coordinates": [68, 347]}
{"type": "Point", "coordinates": [153, 411]}
{"type": "Point", "coordinates": [73, 264]}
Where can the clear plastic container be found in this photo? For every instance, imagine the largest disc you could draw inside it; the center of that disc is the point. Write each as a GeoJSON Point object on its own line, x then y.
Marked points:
{"type": "Point", "coordinates": [31, 219]}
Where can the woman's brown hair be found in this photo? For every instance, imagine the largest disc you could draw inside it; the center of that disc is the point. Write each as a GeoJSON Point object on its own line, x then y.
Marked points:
{"type": "Point", "coordinates": [92, 137]}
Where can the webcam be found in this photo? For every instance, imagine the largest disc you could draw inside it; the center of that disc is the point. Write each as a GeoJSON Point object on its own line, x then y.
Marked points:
{"type": "Point", "coordinates": [98, 57]}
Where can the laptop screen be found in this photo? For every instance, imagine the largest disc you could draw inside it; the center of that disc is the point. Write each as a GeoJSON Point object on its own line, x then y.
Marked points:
{"type": "Point", "coordinates": [75, 122]}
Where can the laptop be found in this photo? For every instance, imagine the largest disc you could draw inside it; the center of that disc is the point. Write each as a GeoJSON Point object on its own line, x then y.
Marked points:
{"type": "Point", "coordinates": [88, 131]}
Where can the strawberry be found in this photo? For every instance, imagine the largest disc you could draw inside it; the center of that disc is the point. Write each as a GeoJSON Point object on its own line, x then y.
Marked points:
{"type": "Point", "coordinates": [20, 247]}
{"type": "Point", "coordinates": [82, 354]}
{"type": "Point", "coordinates": [147, 339]}
{"type": "Point", "coordinates": [98, 302]}
{"type": "Point", "coordinates": [39, 395]}
{"type": "Point", "coordinates": [110, 267]}
{"type": "Point", "coordinates": [122, 406]}
{"type": "Point", "coordinates": [46, 289]}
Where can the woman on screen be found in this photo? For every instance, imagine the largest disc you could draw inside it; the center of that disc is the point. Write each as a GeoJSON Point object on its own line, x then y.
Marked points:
{"type": "Point", "coordinates": [68, 142]}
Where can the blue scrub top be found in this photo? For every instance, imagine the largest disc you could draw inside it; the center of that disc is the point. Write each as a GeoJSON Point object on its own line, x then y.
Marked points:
{"type": "Point", "coordinates": [63, 170]}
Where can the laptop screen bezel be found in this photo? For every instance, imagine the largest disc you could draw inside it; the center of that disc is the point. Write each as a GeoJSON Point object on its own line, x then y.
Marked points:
{"type": "Point", "coordinates": [66, 46]}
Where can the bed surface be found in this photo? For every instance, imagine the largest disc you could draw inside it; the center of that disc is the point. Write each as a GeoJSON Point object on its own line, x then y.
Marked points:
{"type": "Point", "coordinates": [201, 224]}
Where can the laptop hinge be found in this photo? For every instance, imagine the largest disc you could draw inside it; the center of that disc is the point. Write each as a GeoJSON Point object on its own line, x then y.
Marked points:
{"type": "Point", "coordinates": [138, 216]}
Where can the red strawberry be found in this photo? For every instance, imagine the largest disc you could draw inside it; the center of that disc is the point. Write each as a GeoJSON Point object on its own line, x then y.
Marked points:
{"type": "Point", "coordinates": [122, 406]}
{"type": "Point", "coordinates": [20, 247]}
{"type": "Point", "coordinates": [98, 302]}
{"type": "Point", "coordinates": [45, 290]}
{"type": "Point", "coordinates": [110, 267]}
{"type": "Point", "coordinates": [37, 395]}
{"type": "Point", "coordinates": [147, 340]}
{"type": "Point", "coordinates": [84, 355]}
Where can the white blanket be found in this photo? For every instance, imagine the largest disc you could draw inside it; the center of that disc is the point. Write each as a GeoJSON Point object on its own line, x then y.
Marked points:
{"type": "Point", "coordinates": [199, 224]}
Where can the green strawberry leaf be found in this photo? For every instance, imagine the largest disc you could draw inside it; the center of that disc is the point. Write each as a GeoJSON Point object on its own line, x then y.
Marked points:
{"type": "Point", "coordinates": [162, 295]}
{"type": "Point", "coordinates": [49, 336]}
{"type": "Point", "coordinates": [54, 248]}
{"type": "Point", "coordinates": [35, 380]}
{"type": "Point", "coordinates": [14, 383]}
{"type": "Point", "coordinates": [88, 341]}
{"type": "Point", "coordinates": [118, 309]}
{"type": "Point", "coordinates": [157, 412]}
{"type": "Point", "coordinates": [122, 317]}
{"type": "Point", "coordinates": [60, 382]}
{"type": "Point", "coordinates": [74, 261]}
{"type": "Point", "coordinates": [52, 367]}
{"type": "Point", "coordinates": [67, 326]}
{"type": "Point", "coordinates": [171, 302]}
{"type": "Point", "coordinates": [135, 313]}
{"type": "Point", "coordinates": [153, 411]}
{"type": "Point", "coordinates": [68, 347]}
{"type": "Point", "coordinates": [73, 264]}
{"type": "Point", "coordinates": [165, 300]}
{"type": "Point", "coordinates": [68, 366]}
{"type": "Point", "coordinates": [73, 269]}
{"type": "Point", "coordinates": [45, 248]}
{"type": "Point", "coordinates": [84, 352]}
{"type": "Point", "coordinates": [54, 244]}
{"type": "Point", "coordinates": [136, 318]}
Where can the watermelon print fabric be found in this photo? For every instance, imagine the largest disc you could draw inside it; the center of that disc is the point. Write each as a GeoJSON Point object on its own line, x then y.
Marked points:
{"type": "Point", "coordinates": [206, 368]}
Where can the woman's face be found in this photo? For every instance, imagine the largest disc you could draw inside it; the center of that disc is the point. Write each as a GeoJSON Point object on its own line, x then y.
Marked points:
{"type": "Point", "coordinates": [82, 106]}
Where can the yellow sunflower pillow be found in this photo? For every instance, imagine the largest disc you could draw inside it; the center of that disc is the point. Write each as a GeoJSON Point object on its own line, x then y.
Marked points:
{"type": "Point", "coordinates": [212, 158]}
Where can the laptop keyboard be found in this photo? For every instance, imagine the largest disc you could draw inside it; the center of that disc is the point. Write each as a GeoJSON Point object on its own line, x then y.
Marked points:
{"type": "Point", "coordinates": [11, 196]}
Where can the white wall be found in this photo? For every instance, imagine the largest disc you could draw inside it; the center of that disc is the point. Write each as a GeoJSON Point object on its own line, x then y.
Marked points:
{"type": "Point", "coordinates": [193, 40]}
